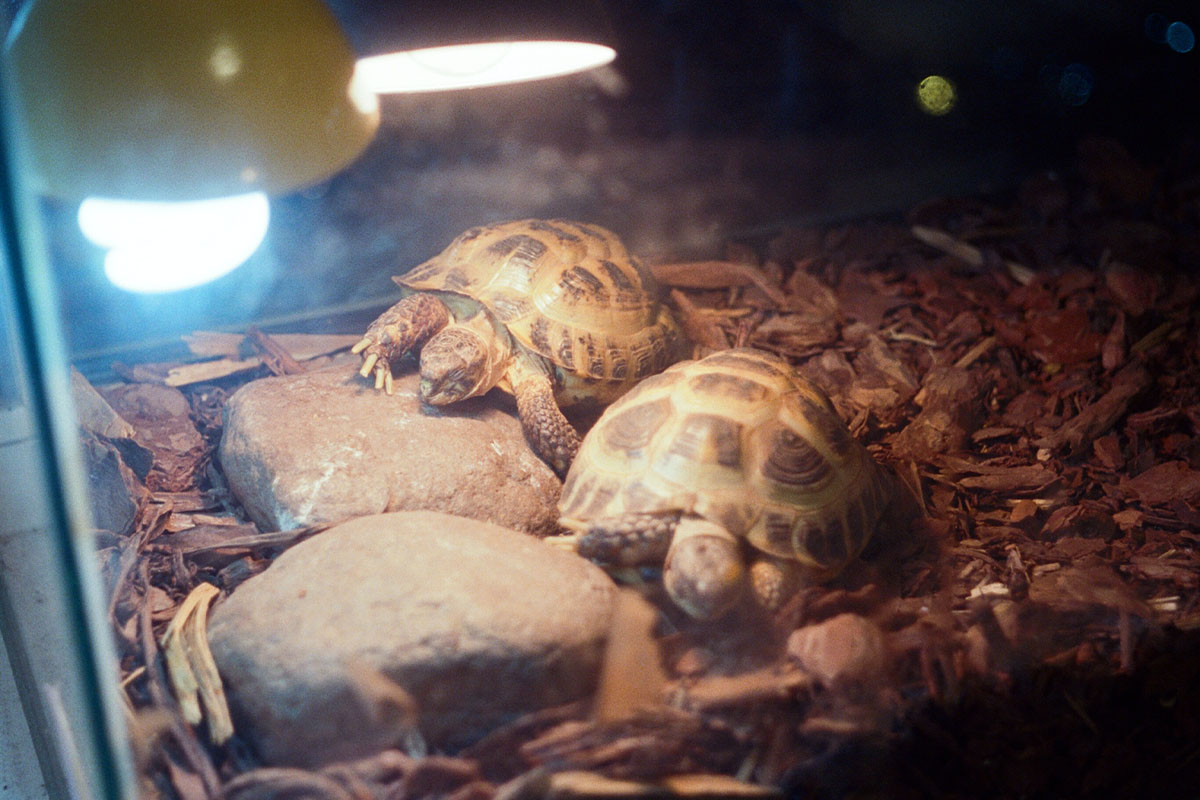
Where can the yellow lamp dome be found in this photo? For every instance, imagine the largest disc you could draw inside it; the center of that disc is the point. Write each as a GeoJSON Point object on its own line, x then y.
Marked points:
{"type": "Point", "coordinates": [172, 99]}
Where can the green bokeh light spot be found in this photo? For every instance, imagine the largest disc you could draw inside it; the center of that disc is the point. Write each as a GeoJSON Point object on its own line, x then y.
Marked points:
{"type": "Point", "coordinates": [936, 95]}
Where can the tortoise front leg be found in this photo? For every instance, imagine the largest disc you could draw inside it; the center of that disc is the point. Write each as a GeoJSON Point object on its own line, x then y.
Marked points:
{"type": "Point", "coordinates": [552, 436]}
{"type": "Point", "coordinates": [626, 540]}
{"type": "Point", "coordinates": [774, 581]}
{"type": "Point", "coordinates": [400, 329]}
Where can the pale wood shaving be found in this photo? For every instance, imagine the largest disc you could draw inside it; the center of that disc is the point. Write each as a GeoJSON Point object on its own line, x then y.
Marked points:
{"type": "Point", "coordinates": [191, 668]}
{"type": "Point", "coordinates": [969, 254]}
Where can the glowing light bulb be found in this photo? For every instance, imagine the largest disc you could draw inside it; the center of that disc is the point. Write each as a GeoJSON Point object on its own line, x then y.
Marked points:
{"type": "Point", "coordinates": [464, 66]}
{"type": "Point", "coordinates": [361, 93]}
{"type": "Point", "coordinates": [158, 247]}
{"type": "Point", "coordinates": [936, 95]}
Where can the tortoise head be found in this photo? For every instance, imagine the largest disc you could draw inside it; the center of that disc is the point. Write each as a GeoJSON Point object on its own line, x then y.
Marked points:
{"type": "Point", "coordinates": [705, 570]}
{"type": "Point", "coordinates": [462, 360]}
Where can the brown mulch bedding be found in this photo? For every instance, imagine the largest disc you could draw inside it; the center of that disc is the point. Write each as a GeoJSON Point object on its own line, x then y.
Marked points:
{"type": "Point", "coordinates": [1028, 367]}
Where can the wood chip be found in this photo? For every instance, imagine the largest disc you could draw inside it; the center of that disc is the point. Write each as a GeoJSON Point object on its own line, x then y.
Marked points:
{"type": "Point", "coordinates": [185, 502]}
{"type": "Point", "coordinates": [1112, 353]}
{"type": "Point", "coordinates": [797, 331]}
{"type": "Point", "coordinates": [984, 434]}
{"type": "Point", "coordinates": [976, 352]}
{"type": "Point", "coordinates": [951, 410]}
{"type": "Point", "coordinates": [1134, 289]}
{"type": "Point", "coordinates": [807, 291]}
{"type": "Point", "coordinates": [590, 786]}
{"type": "Point", "coordinates": [203, 538]}
{"type": "Point", "coordinates": [696, 325]}
{"type": "Point", "coordinates": [204, 371]}
{"type": "Point", "coordinates": [1107, 449]}
{"type": "Point", "coordinates": [1008, 479]}
{"type": "Point", "coordinates": [300, 346]}
{"type": "Point", "coordinates": [717, 275]}
{"type": "Point", "coordinates": [273, 354]}
{"type": "Point", "coordinates": [1164, 483]}
{"type": "Point", "coordinates": [721, 691]}
{"type": "Point", "coordinates": [1100, 416]}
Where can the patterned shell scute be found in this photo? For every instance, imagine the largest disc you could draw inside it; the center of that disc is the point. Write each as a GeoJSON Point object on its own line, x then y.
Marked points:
{"type": "Point", "coordinates": [738, 438]}
{"type": "Point", "coordinates": [570, 292]}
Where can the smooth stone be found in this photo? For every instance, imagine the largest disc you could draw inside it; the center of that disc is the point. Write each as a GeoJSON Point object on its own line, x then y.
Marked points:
{"type": "Point", "coordinates": [325, 446]}
{"type": "Point", "coordinates": [477, 623]}
{"type": "Point", "coordinates": [845, 650]}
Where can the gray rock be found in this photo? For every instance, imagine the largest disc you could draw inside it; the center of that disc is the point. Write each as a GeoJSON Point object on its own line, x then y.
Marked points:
{"type": "Point", "coordinates": [478, 623]}
{"type": "Point", "coordinates": [325, 446]}
{"type": "Point", "coordinates": [114, 491]}
{"type": "Point", "coordinates": [94, 413]}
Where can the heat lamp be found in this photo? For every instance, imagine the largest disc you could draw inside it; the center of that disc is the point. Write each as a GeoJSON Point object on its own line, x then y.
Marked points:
{"type": "Point", "coordinates": [170, 127]}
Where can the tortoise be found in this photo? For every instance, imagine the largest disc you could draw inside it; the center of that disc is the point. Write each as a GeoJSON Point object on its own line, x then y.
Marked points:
{"type": "Point", "coordinates": [554, 312]}
{"type": "Point", "coordinates": [716, 468]}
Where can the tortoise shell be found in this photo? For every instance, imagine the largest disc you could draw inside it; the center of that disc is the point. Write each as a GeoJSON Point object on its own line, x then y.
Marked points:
{"type": "Point", "coordinates": [740, 439]}
{"type": "Point", "coordinates": [567, 291]}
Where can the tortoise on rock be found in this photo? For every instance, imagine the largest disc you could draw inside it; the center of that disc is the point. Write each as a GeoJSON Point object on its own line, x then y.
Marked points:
{"type": "Point", "coordinates": [554, 312]}
{"type": "Point", "coordinates": [728, 465]}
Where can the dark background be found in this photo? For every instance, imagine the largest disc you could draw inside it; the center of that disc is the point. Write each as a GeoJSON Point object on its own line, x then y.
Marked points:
{"type": "Point", "coordinates": [718, 121]}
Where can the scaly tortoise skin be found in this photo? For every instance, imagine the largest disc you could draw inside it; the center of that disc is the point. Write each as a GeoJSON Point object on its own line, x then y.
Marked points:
{"type": "Point", "coordinates": [730, 460]}
{"type": "Point", "coordinates": [554, 312]}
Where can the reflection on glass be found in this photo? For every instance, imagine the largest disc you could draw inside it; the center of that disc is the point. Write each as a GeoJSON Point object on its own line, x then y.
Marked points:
{"type": "Point", "coordinates": [1075, 84]}
{"type": "Point", "coordinates": [1156, 27]}
{"type": "Point", "coordinates": [1180, 37]}
{"type": "Point", "coordinates": [936, 95]}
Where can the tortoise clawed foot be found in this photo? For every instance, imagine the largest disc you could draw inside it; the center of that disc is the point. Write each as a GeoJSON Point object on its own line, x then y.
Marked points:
{"type": "Point", "coordinates": [569, 541]}
{"type": "Point", "coordinates": [376, 360]}
{"type": "Point", "coordinates": [368, 364]}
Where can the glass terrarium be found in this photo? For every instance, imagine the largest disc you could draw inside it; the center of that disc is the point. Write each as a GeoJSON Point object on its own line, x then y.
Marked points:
{"type": "Point", "coordinates": [676, 399]}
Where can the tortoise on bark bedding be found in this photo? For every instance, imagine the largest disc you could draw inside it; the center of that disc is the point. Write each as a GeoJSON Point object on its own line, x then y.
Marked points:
{"type": "Point", "coordinates": [554, 312]}
{"type": "Point", "coordinates": [731, 471]}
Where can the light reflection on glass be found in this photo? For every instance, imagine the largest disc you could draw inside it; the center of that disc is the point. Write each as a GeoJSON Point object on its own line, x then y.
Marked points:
{"type": "Point", "coordinates": [158, 247]}
{"type": "Point", "coordinates": [1156, 27]}
{"type": "Point", "coordinates": [936, 95]}
{"type": "Point", "coordinates": [1075, 84]}
{"type": "Point", "coordinates": [1180, 38]}
{"type": "Point", "coordinates": [483, 64]}
{"type": "Point", "coordinates": [1177, 35]}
